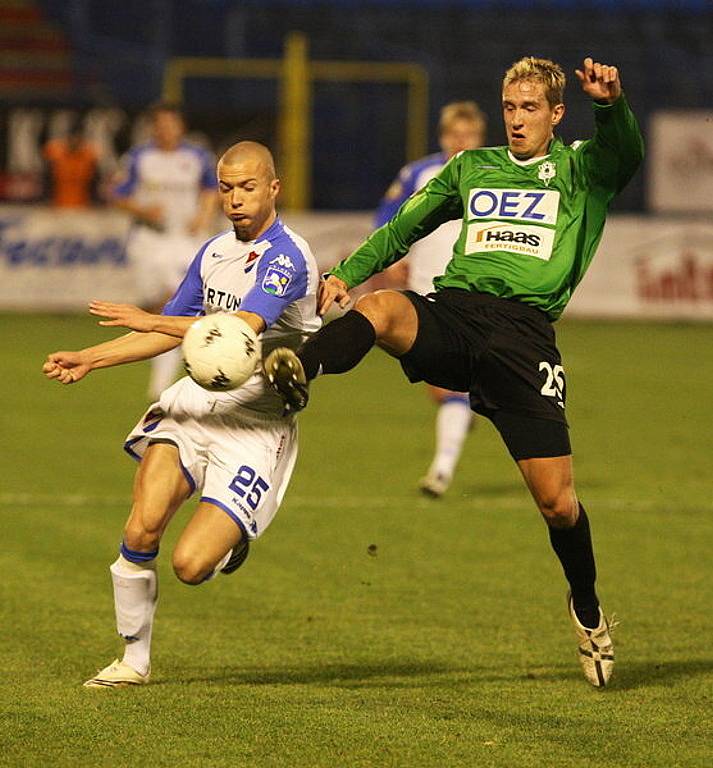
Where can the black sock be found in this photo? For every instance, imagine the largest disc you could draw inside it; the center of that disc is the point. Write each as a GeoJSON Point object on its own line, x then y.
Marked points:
{"type": "Point", "coordinates": [339, 346]}
{"type": "Point", "coordinates": [574, 549]}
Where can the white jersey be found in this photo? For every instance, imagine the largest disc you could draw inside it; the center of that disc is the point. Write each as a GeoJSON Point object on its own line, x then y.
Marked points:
{"type": "Point", "coordinates": [275, 277]}
{"type": "Point", "coordinates": [171, 179]}
{"type": "Point", "coordinates": [428, 257]}
{"type": "Point", "coordinates": [237, 447]}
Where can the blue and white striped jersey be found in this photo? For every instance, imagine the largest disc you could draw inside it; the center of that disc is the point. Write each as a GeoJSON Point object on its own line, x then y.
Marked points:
{"type": "Point", "coordinates": [172, 179]}
{"type": "Point", "coordinates": [410, 179]}
{"type": "Point", "coordinates": [275, 277]}
{"type": "Point", "coordinates": [428, 257]}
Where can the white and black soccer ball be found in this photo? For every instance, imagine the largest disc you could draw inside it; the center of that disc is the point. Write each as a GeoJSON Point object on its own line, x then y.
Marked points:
{"type": "Point", "coordinates": [220, 352]}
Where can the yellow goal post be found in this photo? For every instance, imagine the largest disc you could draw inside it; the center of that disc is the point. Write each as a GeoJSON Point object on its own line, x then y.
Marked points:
{"type": "Point", "coordinates": [296, 74]}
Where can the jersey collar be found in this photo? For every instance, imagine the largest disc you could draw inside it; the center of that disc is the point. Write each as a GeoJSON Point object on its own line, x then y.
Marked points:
{"type": "Point", "coordinates": [532, 160]}
{"type": "Point", "coordinates": [271, 231]}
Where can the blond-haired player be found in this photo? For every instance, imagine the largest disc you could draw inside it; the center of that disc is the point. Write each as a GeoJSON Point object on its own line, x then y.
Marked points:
{"type": "Point", "coordinates": [532, 213]}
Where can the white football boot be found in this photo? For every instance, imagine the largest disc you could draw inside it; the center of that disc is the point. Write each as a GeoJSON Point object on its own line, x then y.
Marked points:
{"type": "Point", "coordinates": [596, 651]}
{"type": "Point", "coordinates": [434, 485]}
{"type": "Point", "coordinates": [117, 675]}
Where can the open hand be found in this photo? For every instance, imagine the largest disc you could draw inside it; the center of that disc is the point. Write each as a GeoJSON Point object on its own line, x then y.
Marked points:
{"type": "Point", "coordinates": [599, 81]}
{"type": "Point", "coordinates": [124, 315]}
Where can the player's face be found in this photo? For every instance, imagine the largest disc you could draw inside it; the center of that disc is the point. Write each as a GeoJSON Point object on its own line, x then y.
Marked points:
{"type": "Point", "coordinates": [168, 129]}
{"type": "Point", "coordinates": [461, 134]}
{"type": "Point", "coordinates": [529, 118]}
{"type": "Point", "coordinates": [248, 196]}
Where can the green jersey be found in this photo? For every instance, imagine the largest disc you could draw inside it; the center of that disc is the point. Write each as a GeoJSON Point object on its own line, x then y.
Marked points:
{"type": "Point", "coordinates": [530, 227]}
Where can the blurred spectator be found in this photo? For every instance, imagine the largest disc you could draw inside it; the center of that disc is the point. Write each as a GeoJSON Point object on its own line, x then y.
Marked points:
{"type": "Point", "coordinates": [461, 126]}
{"type": "Point", "coordinates": [72, 166]}
{"type": "Point", "coordinates": [169, 188]}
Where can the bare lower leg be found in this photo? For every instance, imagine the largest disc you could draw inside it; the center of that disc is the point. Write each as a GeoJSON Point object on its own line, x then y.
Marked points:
{"type": "Point", "coordinates": [159, 489]}
{"type": "Point", "coordinates": [550, 481]}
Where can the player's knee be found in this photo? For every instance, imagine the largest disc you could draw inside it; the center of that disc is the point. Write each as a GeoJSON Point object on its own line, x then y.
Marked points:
{"type": "Point", "coordinates": [190, 569]}
{"type": "Point", "coordinates": [559, 509]}
{"type": "Point", "coordinates": [379, 308]}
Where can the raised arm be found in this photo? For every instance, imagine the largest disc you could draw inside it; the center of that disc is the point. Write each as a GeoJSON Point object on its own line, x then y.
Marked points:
{"type": "Point", "coordinates": [152, 335]}
{"type": "Point", "coordinates": [616, 150]}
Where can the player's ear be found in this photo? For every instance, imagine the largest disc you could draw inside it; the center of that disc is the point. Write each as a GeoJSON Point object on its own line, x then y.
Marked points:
{"type": "Point", "coordinates": [275, 187]}
{"type": "Point", "coordinates": [557, 114]}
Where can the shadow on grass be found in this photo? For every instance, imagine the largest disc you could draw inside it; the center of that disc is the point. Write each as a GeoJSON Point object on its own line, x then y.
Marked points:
{"type": "Point", "coordinates": [409, 674]}
{"type": "Point", "coordinates": [396, 674]}
{"type": "Point", "coordinates": [390, 674]}
{"type": "Point", "coordinates": [644, 674]}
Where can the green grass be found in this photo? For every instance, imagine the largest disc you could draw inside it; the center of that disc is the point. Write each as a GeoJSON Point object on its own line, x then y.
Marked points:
{"type": "Point", "coordinates": [450, 647]}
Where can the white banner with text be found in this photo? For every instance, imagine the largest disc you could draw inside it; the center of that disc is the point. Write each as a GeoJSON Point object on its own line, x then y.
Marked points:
{"type": "Point", "coordinates": [645, 267]}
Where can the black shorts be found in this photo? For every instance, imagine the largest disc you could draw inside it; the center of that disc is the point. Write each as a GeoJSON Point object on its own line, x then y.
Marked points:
{"type": "Point", "coordinates": [504, 354]}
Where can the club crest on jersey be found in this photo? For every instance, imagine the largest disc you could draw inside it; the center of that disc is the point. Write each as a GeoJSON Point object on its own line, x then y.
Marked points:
{"type": "Point", "coordinates": [546, 172]}
{"type": "Point", "coordinates": [250, 261]}
{"type": "Point", "coordinates": [276, 281]}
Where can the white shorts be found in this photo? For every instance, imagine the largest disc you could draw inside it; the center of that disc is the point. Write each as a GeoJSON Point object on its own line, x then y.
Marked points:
{"type": "Point", "coordinates": [159, 262]}
{"type": "Point", "coordinates": [240, 464]}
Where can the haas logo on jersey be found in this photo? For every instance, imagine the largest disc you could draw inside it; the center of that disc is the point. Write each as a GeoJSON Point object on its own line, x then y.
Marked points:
{"type": "Point", "coordinates": [502, 220]}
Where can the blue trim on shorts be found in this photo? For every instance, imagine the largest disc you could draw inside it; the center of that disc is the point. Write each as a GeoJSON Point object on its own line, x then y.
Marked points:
{"type": "Point", "coordinates": [134, 556]}
{"type": "Point", "coordinates": [457, 398]}
{"type": "Point", "coordinates": [129, 448]}
{"type": "Point", "coordinates": [189, 477]}
{"type": "Point", "coordinates": [229, 512]}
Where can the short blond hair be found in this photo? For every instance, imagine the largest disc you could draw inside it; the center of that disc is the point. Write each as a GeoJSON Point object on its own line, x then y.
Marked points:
{"type": "Point", "coordinates": [542, 71]}
{"type": "Point", "coordinates": [460, 110]}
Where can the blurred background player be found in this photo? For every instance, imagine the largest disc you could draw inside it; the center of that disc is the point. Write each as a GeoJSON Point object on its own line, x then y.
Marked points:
{"type": "Point", "coordinates": [237, 448]}
{"type": "Point", "coordinates": [168, 187]}
{"type": "Point", "coordinates": [72, 169]}
{"type": "Point", "coordinates": [461, 126]}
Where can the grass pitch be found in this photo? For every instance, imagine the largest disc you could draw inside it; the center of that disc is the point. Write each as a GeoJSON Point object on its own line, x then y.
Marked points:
{"type": "Point", "coordinates": [444, 644]}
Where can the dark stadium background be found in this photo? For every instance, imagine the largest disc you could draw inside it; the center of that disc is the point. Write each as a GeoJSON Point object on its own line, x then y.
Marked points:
{"type": "Point", "coordinates": [371, 627]}
{"type": "Point", "coordinates": [119, 51]}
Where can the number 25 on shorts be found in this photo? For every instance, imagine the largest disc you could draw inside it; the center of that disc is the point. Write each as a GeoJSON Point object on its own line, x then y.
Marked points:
{"type": "Point", "coordinates": [249, 486]}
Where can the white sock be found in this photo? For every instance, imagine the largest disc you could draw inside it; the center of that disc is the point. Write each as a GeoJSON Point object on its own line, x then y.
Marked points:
{"type": "Point", "coordinates": [452, 425]}
{"type": "Point", "coordinates": [135, 599]}
{"type": "Point", "coordinates": [163, 371]}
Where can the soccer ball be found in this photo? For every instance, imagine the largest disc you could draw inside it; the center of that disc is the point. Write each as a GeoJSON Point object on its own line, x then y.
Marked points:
{"type": "Point", "coordinates": [220, 352]}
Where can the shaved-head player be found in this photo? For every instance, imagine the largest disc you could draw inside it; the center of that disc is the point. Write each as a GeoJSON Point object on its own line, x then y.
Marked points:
{"type": "Point", "coordinates": [236, 449]}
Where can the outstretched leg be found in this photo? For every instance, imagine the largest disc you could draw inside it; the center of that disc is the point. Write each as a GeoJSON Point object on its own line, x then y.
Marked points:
{"type": "Point", "coordinates": [386, 318]}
